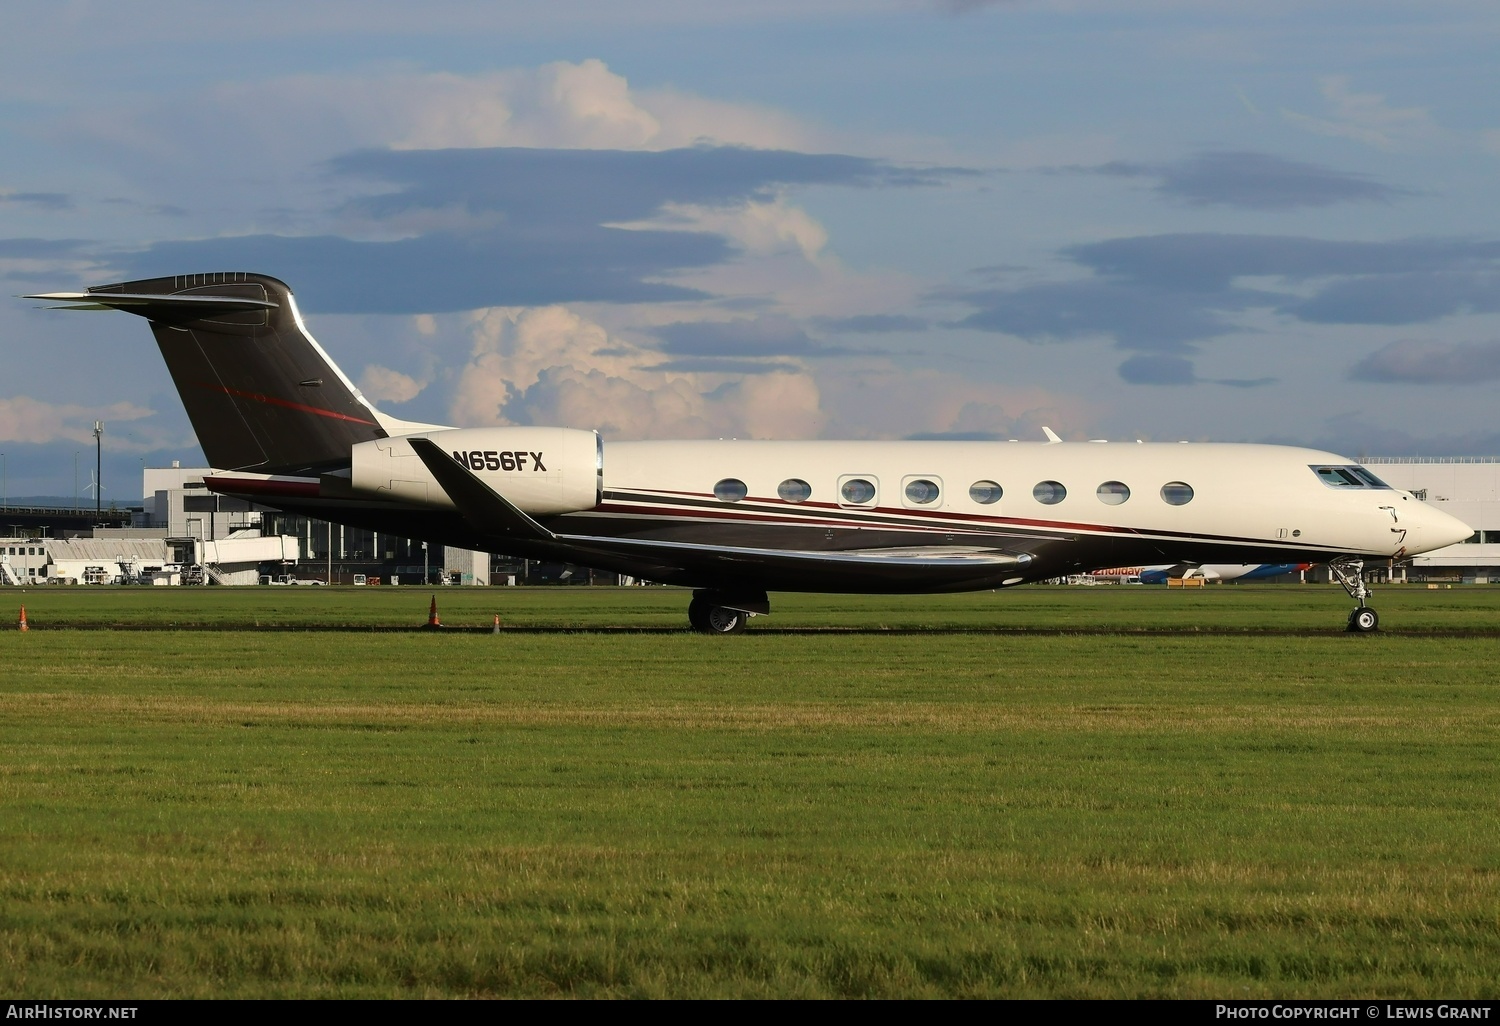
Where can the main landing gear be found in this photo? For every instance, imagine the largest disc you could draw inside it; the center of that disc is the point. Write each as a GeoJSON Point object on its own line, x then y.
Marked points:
{"type": "Point", "coordinates": [713, 612]}
{"type": "Point", "coordinates": [1350, 573]}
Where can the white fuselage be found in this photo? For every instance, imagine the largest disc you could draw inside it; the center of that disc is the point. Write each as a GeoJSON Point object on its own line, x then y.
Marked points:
{"type": "Point", "coordinates": [1261, 496]}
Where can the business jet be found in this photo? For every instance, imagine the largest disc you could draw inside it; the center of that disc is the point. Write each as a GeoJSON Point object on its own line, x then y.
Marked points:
{"type": "Point", "coordinates": [735, 519]}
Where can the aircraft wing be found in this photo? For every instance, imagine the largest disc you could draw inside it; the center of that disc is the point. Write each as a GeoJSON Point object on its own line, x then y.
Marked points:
{"type": "Point", "coordinates": [489, 512]}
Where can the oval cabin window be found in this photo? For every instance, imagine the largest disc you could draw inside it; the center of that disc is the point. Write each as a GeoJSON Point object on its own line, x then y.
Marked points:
{"type": "Point", "coordinates": [730, 489]}
{"type": "Point", "coordinates": [985, 492]}
{"type": "Point", "coordinates": [921, 491]}
{"type": "Point", "coordinates": [1176, 493]}
{"type": "Point", "coordinates": [1112, 493]}
{"type": "Point", "coordinates": [1049, 493]}
{"type": "Point", "coordinates": [794, 490]}
{"type": "Point", "coordinates": [858, 492]}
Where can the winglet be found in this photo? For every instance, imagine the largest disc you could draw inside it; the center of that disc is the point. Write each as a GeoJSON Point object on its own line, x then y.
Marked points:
{"type": "Point", "coordinates": [484, 508]}
{"type": "Point", "coordinates": [1051, 435]}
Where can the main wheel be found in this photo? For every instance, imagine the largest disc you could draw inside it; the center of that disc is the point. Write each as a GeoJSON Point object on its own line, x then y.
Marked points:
{"type": "Point", "coordinates": [723, 620]}
{"type": "Point", "coordinates": [698, 615]}
{"type": "Point", "coordinates": [1363, 620]}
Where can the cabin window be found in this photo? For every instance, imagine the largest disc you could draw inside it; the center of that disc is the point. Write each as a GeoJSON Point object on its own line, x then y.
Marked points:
{"type": "Point", "coordinates": [1049, 493]}
{"type": "Point", "coordinates": [1112, 493]}
{"type": "Point", "coordinates": [922, 491]}
{"type": "Point", "coordinates": [985, 492]}
{"type": "Point", "coordinates": [731, 489]}
{"type": "Point", "coordinates": [1348, 477]}
{"type": "Point", "coordinates": [1176, 493]}
{"type": "Point", "coordinates": [794, 490]}
{"type": "Point", "coordinates": [857, 491]}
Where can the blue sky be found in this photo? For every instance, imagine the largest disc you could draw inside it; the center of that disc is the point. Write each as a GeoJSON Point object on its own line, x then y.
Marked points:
{"type": "Point", "coordinates": [1165, 220]}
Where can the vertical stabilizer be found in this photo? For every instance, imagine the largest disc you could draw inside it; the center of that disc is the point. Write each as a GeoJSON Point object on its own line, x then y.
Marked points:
{"type": "Point", "coordinates": [261, 393]}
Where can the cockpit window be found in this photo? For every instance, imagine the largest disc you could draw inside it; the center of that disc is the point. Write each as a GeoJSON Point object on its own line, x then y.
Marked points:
{"type": "Point", "coordinates": [1348, 477]}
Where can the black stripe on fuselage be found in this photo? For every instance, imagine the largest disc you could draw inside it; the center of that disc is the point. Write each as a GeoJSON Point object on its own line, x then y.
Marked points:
{"type": "Point", "coordinates": [700, 506]}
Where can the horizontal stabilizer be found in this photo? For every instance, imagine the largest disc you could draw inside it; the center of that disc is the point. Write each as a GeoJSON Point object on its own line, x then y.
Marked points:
{"type": "Point", "coordinates": [156, 307]}
{"type": "Point", "coordinates": [484, 508]}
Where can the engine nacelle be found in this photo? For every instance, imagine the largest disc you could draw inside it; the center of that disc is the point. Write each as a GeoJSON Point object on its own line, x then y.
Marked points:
{"type": "Point", "coordinates": [538, 469]}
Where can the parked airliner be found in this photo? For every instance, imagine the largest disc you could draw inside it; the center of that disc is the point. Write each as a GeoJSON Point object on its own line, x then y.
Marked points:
{"type": "Point", "coordinates": [1219, 572]}
{"type": "Point", "coordinates": [734, 520]}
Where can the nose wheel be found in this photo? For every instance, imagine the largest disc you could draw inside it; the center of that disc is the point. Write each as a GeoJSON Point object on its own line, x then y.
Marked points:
{"type": "Point", "coordinates": [1350, 573]}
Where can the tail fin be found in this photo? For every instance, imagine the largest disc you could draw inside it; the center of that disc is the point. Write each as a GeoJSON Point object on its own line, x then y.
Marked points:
{"type": "Point", "coordinates": [261, 393]}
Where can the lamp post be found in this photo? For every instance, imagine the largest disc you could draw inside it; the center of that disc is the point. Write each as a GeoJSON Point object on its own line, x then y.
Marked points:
{"type": "Point", "coordinates": [75, 480]}
{"type": "Point", "coordinates": [98, 469]}
{"type": "Point", "coordinates": [4, 482]}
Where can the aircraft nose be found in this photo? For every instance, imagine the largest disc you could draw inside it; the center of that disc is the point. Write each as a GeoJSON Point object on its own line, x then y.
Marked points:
{"type": "Point", "coordinates": [1436, 529]}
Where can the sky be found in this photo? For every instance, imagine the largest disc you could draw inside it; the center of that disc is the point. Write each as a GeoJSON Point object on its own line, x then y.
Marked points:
{"type": "Point", "coordinates": [1166, 220]}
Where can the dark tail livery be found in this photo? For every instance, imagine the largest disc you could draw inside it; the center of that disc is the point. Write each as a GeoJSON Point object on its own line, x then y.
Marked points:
{"type": "Point", "coordinates": [261, 393]}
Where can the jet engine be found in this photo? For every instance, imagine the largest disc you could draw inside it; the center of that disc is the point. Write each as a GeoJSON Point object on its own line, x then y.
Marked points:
{"type": "Point", "coordinates": [541, 471]}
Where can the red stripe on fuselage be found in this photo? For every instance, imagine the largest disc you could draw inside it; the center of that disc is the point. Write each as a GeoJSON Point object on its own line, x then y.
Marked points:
{"type": "Point", "coordinates": [946, 521]}
{"type": "Point", "coordinates": [725, 512]}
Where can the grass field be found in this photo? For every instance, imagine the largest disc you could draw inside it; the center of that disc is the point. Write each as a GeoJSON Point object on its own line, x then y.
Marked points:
{"type": "Point", "coordinates": [221, 813]}
{"type": "Point", "coordinates": [1233, 608]}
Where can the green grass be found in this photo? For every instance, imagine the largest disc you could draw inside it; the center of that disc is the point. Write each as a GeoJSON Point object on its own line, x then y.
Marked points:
{"type": "Point", "coordinates": [1237, 607]}
{"type": "Point", "coordinates": [1225, 815]}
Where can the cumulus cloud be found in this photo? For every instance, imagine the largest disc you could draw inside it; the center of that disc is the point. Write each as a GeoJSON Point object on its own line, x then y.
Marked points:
{"type": "Point", "coordinates": [1166, 294]}
{"type": "Point", "coordinates": [880, 400]}
{"type": "Point", "coordinates": [1253, 181]}
{"type": "Point", "coordinates": [24, 419]}
{"type": "Point", "coordinates": [385, 385]}
{"type": "Point", "coordinates": [512, 226]}
{"type": "Point", "coordinates": [1366, 118]}
{"type": "Point", "coordinates": [286, 121]}
{"type": "Point", "coordinates": [584, 105]}
{"type": "Point", "coordinates": [758, 228]}
{"type": "Point", "coordinates": [548, 365]}
{"type": "Point", "coordinates": [1416, 362]}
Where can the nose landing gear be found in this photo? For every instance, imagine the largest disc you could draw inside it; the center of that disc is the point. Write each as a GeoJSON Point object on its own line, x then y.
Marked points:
{"type": "Point", "coordinates": [1351, 576]}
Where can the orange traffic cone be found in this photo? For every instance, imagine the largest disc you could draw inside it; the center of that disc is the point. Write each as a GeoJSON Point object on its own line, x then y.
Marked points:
{"type": "Point", "coordinates": [432, 617]}
{"type": "Point", "coordinates": [497, 623]}
{"type": "Point", "coordinates": [22, 625]}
